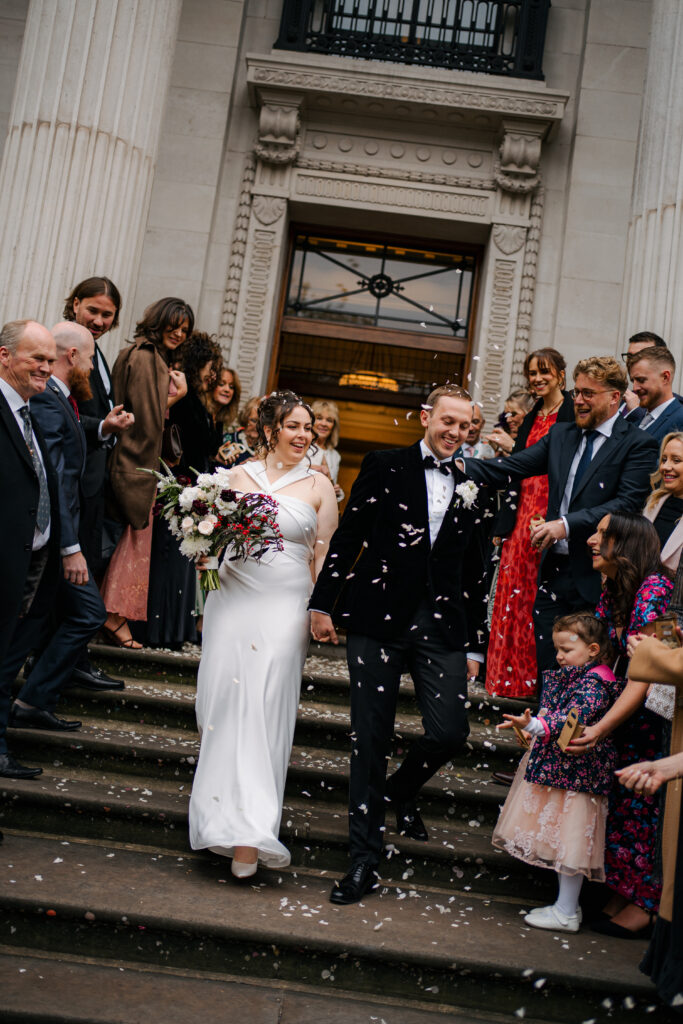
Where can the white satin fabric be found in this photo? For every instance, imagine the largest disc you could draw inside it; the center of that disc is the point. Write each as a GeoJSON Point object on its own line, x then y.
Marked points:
{"type": "Point", "coordinates": [255, 637]}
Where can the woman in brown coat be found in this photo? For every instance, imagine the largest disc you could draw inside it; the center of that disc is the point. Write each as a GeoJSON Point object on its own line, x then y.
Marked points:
{"type": "Point", "coordinates": [663, 962]}
{"type": "Point", "coordinates": [147, 386]}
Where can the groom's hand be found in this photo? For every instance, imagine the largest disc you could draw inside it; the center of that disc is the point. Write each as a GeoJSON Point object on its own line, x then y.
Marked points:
{"type": "Point", "coordinates": [322, 628]}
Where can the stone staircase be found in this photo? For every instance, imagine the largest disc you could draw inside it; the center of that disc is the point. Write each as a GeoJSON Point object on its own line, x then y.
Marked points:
{"type": "Point", "coordinates": [107, 915]}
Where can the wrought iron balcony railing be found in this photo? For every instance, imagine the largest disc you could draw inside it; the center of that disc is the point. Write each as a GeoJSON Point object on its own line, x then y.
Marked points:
{"type": "Point", "coordinates": [498, 37]}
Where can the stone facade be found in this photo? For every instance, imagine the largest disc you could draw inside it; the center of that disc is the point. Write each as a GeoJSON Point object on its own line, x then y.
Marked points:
{"type": "Point", "coordinates": [253, 140]}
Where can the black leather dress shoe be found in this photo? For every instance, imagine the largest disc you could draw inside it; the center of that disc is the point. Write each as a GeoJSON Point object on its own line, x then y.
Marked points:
{"type": "Point", "coordinates": [11, 769]}
{"type": "Point", "coordinates": [36, 718]}
{"type": "Point", "coordinates": [503, 778]}
{"type": "Point", "coordinates": [93, 679]}
{"type": "Point", "coordinates": [408, 821]}
{"type": "Point", "coordinates": [361, 878]}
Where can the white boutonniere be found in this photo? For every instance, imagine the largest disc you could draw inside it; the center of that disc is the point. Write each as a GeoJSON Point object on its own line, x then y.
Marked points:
{"type": "Point", "coordinates": [467, 492]}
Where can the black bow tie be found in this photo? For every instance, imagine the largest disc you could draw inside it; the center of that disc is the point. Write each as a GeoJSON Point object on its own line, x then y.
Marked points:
{"type": "Point", "coordinates": [430, 462]}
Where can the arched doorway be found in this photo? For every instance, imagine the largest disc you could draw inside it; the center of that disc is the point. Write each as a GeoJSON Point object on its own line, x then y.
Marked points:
{"type": "Point", "coordinates": [373, 324]}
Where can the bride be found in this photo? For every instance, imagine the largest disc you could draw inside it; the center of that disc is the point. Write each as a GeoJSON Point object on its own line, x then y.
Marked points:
{"type": "Point", "coordinates": [255, 637]}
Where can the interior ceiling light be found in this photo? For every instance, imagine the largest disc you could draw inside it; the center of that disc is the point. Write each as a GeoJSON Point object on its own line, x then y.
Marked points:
{"type": "Point", "coordinates": [368, 379]}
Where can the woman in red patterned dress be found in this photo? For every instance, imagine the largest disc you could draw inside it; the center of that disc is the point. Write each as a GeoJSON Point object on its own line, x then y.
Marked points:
{"type": "Point", "coordinates": [511, 657]}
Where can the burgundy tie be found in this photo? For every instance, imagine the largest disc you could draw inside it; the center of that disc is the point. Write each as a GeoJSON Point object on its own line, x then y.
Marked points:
{"type": "Point", "coordinates": [74, 405]}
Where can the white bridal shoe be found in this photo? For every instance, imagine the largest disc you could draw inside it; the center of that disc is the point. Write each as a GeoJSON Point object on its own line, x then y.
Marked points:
{"type": "Point", "coordinates": [552, 919]}
{"type": "Point", "coordinates": [242, 870]}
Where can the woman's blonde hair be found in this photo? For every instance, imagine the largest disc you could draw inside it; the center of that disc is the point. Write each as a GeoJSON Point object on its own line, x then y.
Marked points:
{"type": "Point", "coordinates": [658, 492]}
{"type": "Point", "coordinates": [321, 406]}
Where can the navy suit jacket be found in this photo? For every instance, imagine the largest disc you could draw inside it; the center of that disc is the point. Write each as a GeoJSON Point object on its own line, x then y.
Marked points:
{"type": "Point", "coordinates": [671, 419]}
{"type": "Point", "coordinates": [92, 413]}
{"type": "Point", "coordinates": [617, 479]}
{"type": "Point", "coordinates": [66, 447]}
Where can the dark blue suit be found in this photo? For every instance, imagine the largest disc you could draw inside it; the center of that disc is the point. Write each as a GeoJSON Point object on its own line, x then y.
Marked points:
{"type": "Point", "coordinates": [80, 609]}
{"type": "Point", "coordinates": [671, 419]}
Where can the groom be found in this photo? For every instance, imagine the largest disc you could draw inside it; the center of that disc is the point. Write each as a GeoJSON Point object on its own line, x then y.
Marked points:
{"type": "Point", "coordinates": [393, 578]}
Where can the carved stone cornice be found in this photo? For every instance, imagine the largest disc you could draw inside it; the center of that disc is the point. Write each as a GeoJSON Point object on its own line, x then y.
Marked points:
{"type": "Point", "coordinates": [278, 139]}
{"type": "Point", "coordinates": [405, 92]}
{"type": "Point", "coordinates": [520, 156]}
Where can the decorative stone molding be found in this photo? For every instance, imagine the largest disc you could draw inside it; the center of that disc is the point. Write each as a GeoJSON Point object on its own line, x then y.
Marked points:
{"type": "Point", "coordinates": [268, 209]}
{"type": "Point", "coordinates": [278, 131]}
{"type": "Point", "coordinates": [468, 205]}
{"type": "Point", "coordinates": [526, 296]}
{"type": "Point", "coordinates": [247, 354]}
{"type": "Point", "coordinates": [407, 91]}
{"type": "Point", "coordinates": [497, 334]}
{"type": "Point", "coordinates": [237, 252]}
{"type": "Point", "coordinates": [520, 156]}
{"type": "Point", "coordinates": [397, 173]}
{"type": "Point", "coordinates": [508, 237]}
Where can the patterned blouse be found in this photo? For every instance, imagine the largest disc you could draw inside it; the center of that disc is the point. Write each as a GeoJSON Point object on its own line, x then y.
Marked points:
{"type": "Point", "coordinates": [652, 600]}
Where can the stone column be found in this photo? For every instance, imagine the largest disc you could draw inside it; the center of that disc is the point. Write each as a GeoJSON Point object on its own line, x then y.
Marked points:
{"type": "Point", "coordinates": [82, 141]}
{"type": "Point", "coordinates": [652, 296]}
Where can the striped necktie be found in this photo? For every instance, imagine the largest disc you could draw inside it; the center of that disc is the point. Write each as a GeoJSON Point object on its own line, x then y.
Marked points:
{"type": "Point", "coordinates": [43, 519]}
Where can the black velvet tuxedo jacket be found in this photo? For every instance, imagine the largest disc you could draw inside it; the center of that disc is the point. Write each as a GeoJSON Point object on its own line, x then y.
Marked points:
{"type": "Point", "coordinates": [617, 479]}
{"type": "Point", "coordinates": [18, 512]}
{"type": "Point", "coordinates": [92, 413]}
{"type": "Point", "coordinates": [380, 565]}
{"type": "Point", "coordinates": [66, 445]}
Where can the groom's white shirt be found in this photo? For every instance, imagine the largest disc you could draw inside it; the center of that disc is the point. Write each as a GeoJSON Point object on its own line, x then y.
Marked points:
{"type": "Point", "coordinates": [439, 492]}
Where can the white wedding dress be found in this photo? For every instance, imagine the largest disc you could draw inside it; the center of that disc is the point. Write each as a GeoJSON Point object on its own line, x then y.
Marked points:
{"type": "Point", "coordinates": [255, 637]}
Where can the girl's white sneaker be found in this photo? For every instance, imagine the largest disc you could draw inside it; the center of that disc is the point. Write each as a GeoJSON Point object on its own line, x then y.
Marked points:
{"type": "Point", "coordinates": [553, 920]}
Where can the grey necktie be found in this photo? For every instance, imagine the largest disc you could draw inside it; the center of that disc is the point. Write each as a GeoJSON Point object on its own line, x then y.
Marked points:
{"type": "Point", "coordinates": [43, 520]}
{"type": "Point", "coordinates": [647, 419]}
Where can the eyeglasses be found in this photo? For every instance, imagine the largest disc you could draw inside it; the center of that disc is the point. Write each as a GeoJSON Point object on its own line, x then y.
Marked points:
{"type": "Point", "coordinates": [587, 393]}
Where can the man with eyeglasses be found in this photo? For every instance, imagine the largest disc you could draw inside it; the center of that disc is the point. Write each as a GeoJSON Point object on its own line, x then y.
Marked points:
{"type": "Point", "coordinates": [596, 465]}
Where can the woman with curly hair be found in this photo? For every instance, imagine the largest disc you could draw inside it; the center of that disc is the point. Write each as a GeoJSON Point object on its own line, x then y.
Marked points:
{"type": "Point", "coordinates": [145, 382]}
{"type": "Point", "coordinates": [637, 590]}
{"type": "Point", "coordinates": [256, 632]}
{"type": "Point", "coordinates": [202, 363]}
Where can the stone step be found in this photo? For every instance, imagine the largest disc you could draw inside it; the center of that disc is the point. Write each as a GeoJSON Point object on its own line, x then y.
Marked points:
{"type": "Point", "coordinates": [427, 946]}
{"type": "Point", "coordinates": [44, 989]}
{"type": "Point", "coordinates": [155, 704]}
{"type": "Point", "coordinates": [88, 805]}
{"type": "Point", "coordinates": [153, 753]}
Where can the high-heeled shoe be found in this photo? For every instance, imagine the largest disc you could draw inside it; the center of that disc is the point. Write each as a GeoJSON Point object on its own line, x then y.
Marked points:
{"type": "Point", "coordinates": [112, 636]}
{"type": "Point", "coordinates": [242, 870]}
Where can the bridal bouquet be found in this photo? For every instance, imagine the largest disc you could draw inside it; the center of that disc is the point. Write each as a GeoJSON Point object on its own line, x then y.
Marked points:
{"type": "Point", "coordinates": [209, 516]}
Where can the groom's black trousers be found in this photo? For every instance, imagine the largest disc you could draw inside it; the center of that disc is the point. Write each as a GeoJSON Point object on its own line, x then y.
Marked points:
{"type": "Point", "coordinates": [375, 668]}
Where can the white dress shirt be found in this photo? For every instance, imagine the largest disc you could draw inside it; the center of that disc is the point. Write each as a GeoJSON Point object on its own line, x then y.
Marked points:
{"type": "Point", "coordinates": [440, 489]}
{"type": "Point", "coordinates": [653, 414]}
{"type": "Point", "coordinates": [16, 402]}
{"type": "Point", "coordinates": [604, 431]}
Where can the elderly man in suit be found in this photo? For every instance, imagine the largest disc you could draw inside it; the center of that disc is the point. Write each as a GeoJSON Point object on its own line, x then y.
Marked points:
{"type": "Point", "coordinates": [596, 465]}
{"type": "Point", "coordinates": [652, 372]}
{"type": "Point", "coordinates": [79, 606]}
{"type": "Point", "coordinates": [95, 303]}
{"type": "Point", "coordinates": [396, 577]}
{"type": "Point", "coordinates": [29, 515]}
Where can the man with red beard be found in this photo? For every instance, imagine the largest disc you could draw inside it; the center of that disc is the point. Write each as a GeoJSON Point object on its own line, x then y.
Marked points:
{"type": "Point", "coordinates": [80, 608]}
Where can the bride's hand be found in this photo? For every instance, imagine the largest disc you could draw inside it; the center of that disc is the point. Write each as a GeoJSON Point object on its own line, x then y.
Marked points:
{"type": "Point", "coordinates": [322, 628]}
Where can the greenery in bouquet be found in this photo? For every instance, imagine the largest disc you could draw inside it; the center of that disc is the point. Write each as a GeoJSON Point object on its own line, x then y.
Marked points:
{"type": "Point", "coordinates": [209, 517]}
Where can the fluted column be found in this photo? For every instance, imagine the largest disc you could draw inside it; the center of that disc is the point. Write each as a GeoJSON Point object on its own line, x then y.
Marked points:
{"type": "Point", "coordinates": [82, 141]}
{"type": "Point", "coordinates": [653, 298]}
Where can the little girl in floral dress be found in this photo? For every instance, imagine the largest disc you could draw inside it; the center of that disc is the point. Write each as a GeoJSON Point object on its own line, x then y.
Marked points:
{"type": "Point", "coordinates": [556, 810]}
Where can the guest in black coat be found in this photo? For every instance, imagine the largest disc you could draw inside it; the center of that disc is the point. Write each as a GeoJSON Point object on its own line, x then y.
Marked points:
{"type": "Point", "coordinates": [395, 577]}
{"type": "Point", "coordinates": [79, 607]}
{"type": "Point", "coordinates": [29, 515]}
{"type": "Point", "coordinates": [596, 465]}
{"type": "Point", "coordinates": [96, 303]}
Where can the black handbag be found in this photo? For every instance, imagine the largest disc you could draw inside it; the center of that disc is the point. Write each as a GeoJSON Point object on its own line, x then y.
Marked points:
{"type": "Point", "coordinates": [171, 445]}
